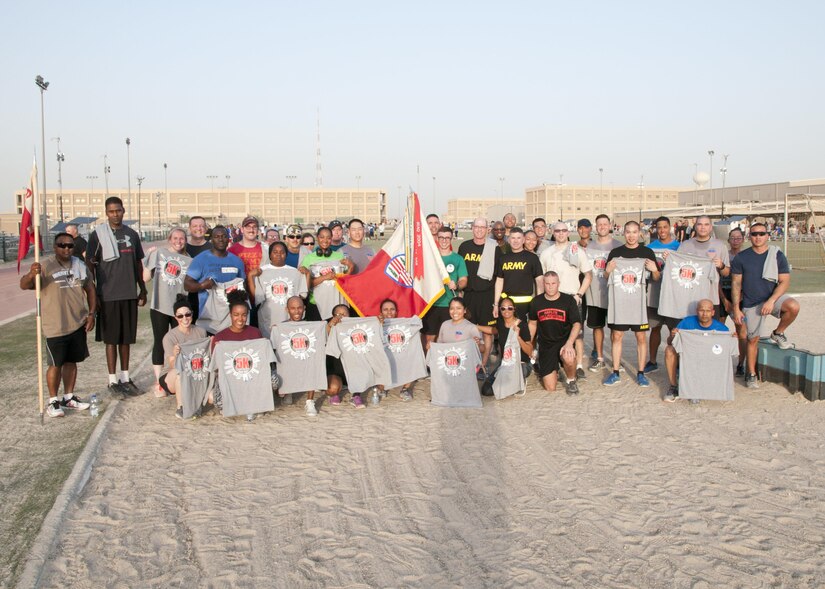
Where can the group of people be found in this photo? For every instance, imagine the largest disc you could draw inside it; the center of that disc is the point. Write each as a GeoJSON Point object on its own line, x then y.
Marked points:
{"type": "Point", "coordinates": [511, 291]}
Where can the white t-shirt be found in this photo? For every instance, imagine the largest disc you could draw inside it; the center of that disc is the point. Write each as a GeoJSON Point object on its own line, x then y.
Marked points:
{"type": "Point", "coordinates": [567, 260]}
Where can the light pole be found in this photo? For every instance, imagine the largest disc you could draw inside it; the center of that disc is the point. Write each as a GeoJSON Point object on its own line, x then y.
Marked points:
{"type": "Point", "coordinates": [60, 160]}
{"type": "Point", "coordinates": [106, 169]}
{"type": "Point", "coordinates": [212, 182]}
{"type": "Point", "coordinates": [434, 206]}
{"type": "Point", "coordinates": [140, 180]}
{"type": "Point", "coordinates": [227, 181]}
{"type": "Point", "coordinates": [92, 179]}
{"type": "Point", "coordinates": [642, 194]}
{"type": "Point", "coordinates": [601, 187]}
{"type": "Point", "coordinates": [724, 172]}
{"type": "Point", "coordinates": [358, 182]}
{"type": "Point", "coordinates": [710, 187]}
{"type": "Point", "coordinates": [43, 85]}
{"type": "Point", "coordinates": [157, 203]}
{"type": "Point", "coordinates": [292, 195]}
{"type": "Point", "coordinates": [560, 197]}
{"type": "Point", "coordinates": [501, 180]}
{"type": "Point", "coordinates": [129, 172]}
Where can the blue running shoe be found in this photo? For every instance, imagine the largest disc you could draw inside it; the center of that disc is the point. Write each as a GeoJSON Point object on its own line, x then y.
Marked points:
{"type": "Point", "coordinates": [651, 367]}
{"type": "Point", "coordinates": [612, 380]}
{"type": "Point", "coordinates": [642, 381]}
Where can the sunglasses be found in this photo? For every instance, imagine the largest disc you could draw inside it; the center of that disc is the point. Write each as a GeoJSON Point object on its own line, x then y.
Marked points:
{"type": "Point", "coordinates": [182, 315]}
{"type": "Point", "coordinates": [309, 243]}
{"type": "Point", "coordinates": [507, 308]}
{"type": "Point", "coordinates": [64, 245]}
{"type": "Point", "coordinates": [323, 253]}
{"type": "Point", "coordinates": [759, 233]}
{"type": "Point", "coordinates": [560, 230]}
{"type": "Point", "coordinates": [293, 237]}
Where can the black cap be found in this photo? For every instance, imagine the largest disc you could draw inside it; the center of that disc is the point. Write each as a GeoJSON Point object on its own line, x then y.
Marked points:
{"type": "Point", "coordinates": [584, 223]}
{"type": "Point", "coordinates": [336, 223]}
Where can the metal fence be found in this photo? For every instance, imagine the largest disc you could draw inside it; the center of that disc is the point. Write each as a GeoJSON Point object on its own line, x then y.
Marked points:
{"type": "Point", "coordinates": [9, 243]}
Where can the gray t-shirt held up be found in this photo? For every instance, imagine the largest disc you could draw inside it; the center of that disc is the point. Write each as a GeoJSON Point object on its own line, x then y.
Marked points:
{"type": "Point", "coordinates": [300, 351]}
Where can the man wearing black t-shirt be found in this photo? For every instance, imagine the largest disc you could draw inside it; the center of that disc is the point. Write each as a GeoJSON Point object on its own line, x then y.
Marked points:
{"type": "Point", "coordinates": [554, 319]}
{"type": "Point", "coordinates": [518, 276]}
{"type": "Point", "coordinates": [196, 242]}
{"type": "Point", "coordinates": [632, 249]}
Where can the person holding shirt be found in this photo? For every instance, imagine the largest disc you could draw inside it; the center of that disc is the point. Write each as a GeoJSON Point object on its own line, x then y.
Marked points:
{"type": "Point", "coordinates": [457, 269]}
{"type": "Point", "coordinates": [664, 243]}
{"type": "Point", "coordinates": [213, 266]}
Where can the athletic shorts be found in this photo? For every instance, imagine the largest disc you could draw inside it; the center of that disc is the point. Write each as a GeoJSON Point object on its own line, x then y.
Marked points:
{"type": "Point", "coordinates": [336, 368]}
{"type": "Point", "coordinates": [480, 307]}
{"type": "Point", "coordinates": [436, 317]}
{"type": "Point", "coordinates": [117, 322]}
{"type": "Point", "coordinates": [596, 317]}
{"type": "Point", "coordinates": [655, 320]}
{"type": "Point", "coordinates": [755, 322]}
{"type": "Point", "coordinates": [67, 349]}
{"type": "Point", "coordinates": [549, 358]}
{"type": "Point", "coordinates": [633, 328]}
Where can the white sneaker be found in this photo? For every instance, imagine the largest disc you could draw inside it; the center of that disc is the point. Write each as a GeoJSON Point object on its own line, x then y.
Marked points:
{"type": "Point", "coordinates": [74, 403]}
{"type": "Point", "coordinates": [54, 409]}
{"type": "Point", "coordinates": [310, 408]}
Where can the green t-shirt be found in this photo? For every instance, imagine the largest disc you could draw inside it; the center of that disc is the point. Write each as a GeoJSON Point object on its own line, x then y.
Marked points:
{"type": "Point", "coordinates": [456, 268]}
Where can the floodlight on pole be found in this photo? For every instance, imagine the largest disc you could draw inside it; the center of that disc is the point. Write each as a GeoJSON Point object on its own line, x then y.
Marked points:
{"type": "Point", "coordinates": [129, 173]}
{"type": "Point", "coordinates": [140, 180]}
{"type": "Point", "coordinates": [60, 160]}
{"type": "Point", "coordinates": [710, 178]}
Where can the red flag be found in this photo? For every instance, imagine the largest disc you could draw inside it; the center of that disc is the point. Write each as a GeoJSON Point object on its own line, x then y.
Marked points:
{"type": "Point", "coordinates": [26, 226]}
{"type": "Point", "coordinates": [389, 276]}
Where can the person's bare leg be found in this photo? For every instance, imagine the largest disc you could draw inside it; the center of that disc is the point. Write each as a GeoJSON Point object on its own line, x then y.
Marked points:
{"type": "Point", "coordinates": [579, 345]}
{"type": "Point", "coordinates": [671, 363]}
{"type": "Point", "coordinates": [111, 358]}
{"type": "Point", "coordinates": [641, 349]}
{"type": "Point", "coordinates": [753, 349]}
{"type": "Point", "coordinates": [549, 381]}
{"type": "Point", "coordinates": [69, 374]}
{"type": "Point", "coordinates": [655, 342]}
{"type": "Point", "coordinates": [787, 314]}
{"type": "Point", "coordinates": [124, 356]}
{"type": "Point", "coordinates": [742, 336]}
{"type": "Point", "coordinates": [569, 368]}
{"type": "Point", "coordinates": [598, 341]}
{"type": "Point", "coordinates": [616, 348]}
{"type": "Point", "coordinates": [53, 380]}
{"type": "Point", "coordinates": [488, 346]}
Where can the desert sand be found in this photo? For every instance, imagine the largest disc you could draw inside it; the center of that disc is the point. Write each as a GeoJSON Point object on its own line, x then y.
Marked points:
{"type": "Point", "coordinates": [612, 488]}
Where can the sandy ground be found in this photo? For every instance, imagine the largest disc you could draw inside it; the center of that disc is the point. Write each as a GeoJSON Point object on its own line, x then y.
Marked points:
{"type": "Point", "coordinates": [612, 488]}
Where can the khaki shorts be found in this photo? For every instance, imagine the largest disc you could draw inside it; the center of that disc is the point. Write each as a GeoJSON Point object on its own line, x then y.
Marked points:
{"type": "Point", "coordinates": [755, 322]}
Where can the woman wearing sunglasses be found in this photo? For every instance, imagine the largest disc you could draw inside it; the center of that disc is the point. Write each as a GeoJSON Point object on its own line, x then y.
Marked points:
{"type": "Point", "coordinates": [183, 333]}
{"type": "Point", "coordinates": [507, 321]}
{"type": "Point", "coordinates": [166, 267]}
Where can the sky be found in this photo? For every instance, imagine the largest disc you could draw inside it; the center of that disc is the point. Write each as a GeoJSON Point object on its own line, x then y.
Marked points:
{"type": "Point", "coordinates": [463, 92]}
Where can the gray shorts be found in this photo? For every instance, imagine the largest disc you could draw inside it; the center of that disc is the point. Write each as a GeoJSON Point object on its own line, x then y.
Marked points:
{"type": "Point", "coordinates": [755, 322]}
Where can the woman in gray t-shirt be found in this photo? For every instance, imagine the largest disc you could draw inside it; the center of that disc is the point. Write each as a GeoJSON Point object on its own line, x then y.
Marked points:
{"type": "Point", "coordinates": [166, 267]}
{"type": "Point", "coordinates": [458, 328]}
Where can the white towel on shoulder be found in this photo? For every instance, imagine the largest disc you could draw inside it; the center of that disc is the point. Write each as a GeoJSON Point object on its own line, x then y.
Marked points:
{"type": "Point", "coordinates": [770, 270]}
{"type": "Point", "coordinates": [486, 267]}
{"type": "Point", "coordinates": [107, 240]}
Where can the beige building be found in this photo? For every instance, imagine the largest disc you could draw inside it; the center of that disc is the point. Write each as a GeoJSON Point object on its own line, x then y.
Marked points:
{"type": "Point", "coordinates": [460, 210]}
{"type": "Point", "coordinates": [224, 206]}
{"type": "Point", "coordinates": [567, 202]}
{"type": "Point", "coordinates": [754, 193]}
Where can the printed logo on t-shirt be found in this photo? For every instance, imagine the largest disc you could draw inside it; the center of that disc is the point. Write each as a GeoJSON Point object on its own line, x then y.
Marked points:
{"type": "Point", "coordinates": [716, 349]}
{"type": "Point", "coordinates": [686, 274]}
{"type": "Point", "coordinates": [552, 315]}
{"type": "Point", "coordinates": [599, 263]}
{"type": "Point", "coordinates": [396, 269]}
{"type": "Point", "coordinates": [278, 290]}
{"type": "Point", "coordinates": [173, 271]}
{"type": "Point", "coordinates": [450, 268]}
{"type": "Point", "coordinates": [359, 339]}
{"type": "Point", "coordinates": [508, 358]}
{"type": "Point", "coordinates": [398, 337]}
{"type": "Point", "coordinates": [195, 364]}
{"type": "Point", "coordinates": [299, 344]}
{"type": "Point", "coordinates": [453, 361]}
{"type": "Point", "coordinates": [629, 280]}
{"type": "Point", "coordinates": [229, 270]}
{"type": "Point", "coordinates": [242, 364]}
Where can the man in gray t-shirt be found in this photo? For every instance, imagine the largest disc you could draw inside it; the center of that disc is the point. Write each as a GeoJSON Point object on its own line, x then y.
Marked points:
{"type": "Point", "coordinates": [355, 250]}
{"type": "Point", "coordinates": [686, 279]}
{"type": "Point", "coordinates": [703, 244]}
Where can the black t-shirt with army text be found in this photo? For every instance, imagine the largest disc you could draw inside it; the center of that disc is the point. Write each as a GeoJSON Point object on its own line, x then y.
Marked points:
{"type": "Point", "coordinates": [471, 252]}
{"type": "Point", "coordinates": [519, 271]}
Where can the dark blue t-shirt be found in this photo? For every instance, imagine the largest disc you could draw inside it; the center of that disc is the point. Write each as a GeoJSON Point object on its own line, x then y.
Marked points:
{"type": "Point", "coordinates": [755, 289]}
{"type": "Point", "coordinates": [692, 322]}
{"type": "Point", "coordinates": [208, 265]}
{"type": "Point", "coordinates": [292, 259]}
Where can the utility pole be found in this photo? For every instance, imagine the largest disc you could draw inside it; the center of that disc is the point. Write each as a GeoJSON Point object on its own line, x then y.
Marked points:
{"type": "Point", "coordinates": [60, 160]}
{"type": "Point", "coordinates": [106, 169]}
{"type": "Point", "coordinates": [140, 180]}
{"type": "Point", "coordinates": [129, 173]}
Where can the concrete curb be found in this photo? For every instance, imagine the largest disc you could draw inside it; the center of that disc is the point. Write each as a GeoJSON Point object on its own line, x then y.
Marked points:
{"type": "Point", "coordinates": [72, 488]}
{"type": "Point", "coordinates": [16, 317]}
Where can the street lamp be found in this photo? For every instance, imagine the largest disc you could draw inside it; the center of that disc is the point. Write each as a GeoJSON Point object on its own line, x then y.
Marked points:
{"type": "Point", "coordinates": [601, 187]}
{"type": "Point", "coordinates": [358, 182]}
{"type": "Point", "coordinates": [157, 203]}
{"type": "Point", "coordinates": [60, 160]}
{"type": "Point", "coordinates": [434, 205]}
{"type": "Point", "coordinates": [724, 172]}
{"type": "Point", "coordinates": [501, 180]}
{"type": "Point", "coordinates": [140, 180]}
{"type": "Point", "coordinates": [106, 169]}
{"type": "Point", "coordinates": [92, 179]}
{"type": "Point", "coordinates": [129, 172]}
{"type": "Point", "coordinates": [227, 181]}
{"type": "Point", "coordinates": [212, 182]}
{"type": "Point", "coordinates": [710, 187]}
{"type": "Point", "coordinates": [292, 195]}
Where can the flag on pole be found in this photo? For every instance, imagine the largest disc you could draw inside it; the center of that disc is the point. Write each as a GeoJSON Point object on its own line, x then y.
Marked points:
{"type": "Point", "coordinates": [408, 270]}
{"type": "Point", "coordinates": [26, 224]}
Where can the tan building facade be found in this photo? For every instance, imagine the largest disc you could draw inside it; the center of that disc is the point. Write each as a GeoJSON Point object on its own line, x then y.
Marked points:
{"type": "Point", "coordinates": [224, 206]}
{"type": "Point", "coordinates": [753, 193]}
{"type": "Point", "coordinates": [568, 202]}
{"type": "Point", "coordinates": [460, 210]}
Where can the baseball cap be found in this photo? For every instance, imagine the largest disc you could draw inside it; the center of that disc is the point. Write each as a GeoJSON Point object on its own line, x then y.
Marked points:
{"type": "Point", "coordinates": [584, 223]}
{"type": "Point", "coordinates": [293, 230]}
{"type": "Point", "coordinates": [335, 223]}
{"type": "Point", "coordinates": [249, 220]}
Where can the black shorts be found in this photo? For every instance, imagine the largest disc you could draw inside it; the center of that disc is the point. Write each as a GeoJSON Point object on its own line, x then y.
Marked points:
{"type": "Point", "coordinates": [655, 320]}
{"type": "Point", "coordinates": [549, 358]}
{"type": "Point", "coordinates": [117, 322]}
{"type": "Point", "coordinates": [435, 318]}
{"type": "Point", "coordinates": [480, 307]}
{"type": "Point", "coordinates": [596, 317]}
{"type": "Point", "coordinates": [67, 349]}
{"type": "Point", "coordinates": [633, 328]}
{"type": "Point", "coordinates": [336, 368]}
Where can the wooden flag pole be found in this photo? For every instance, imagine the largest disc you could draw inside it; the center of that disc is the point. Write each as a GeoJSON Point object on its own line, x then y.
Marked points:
{"type": "Point", "coordinates": [43, 85]}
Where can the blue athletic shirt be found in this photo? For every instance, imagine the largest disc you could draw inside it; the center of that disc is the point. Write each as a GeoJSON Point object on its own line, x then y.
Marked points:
{"type": "Point", "coordinates": [692, 322]}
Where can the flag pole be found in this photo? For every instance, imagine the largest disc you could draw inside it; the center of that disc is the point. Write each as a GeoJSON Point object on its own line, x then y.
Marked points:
{"type": "Point", "coordinates": [36, 205]}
